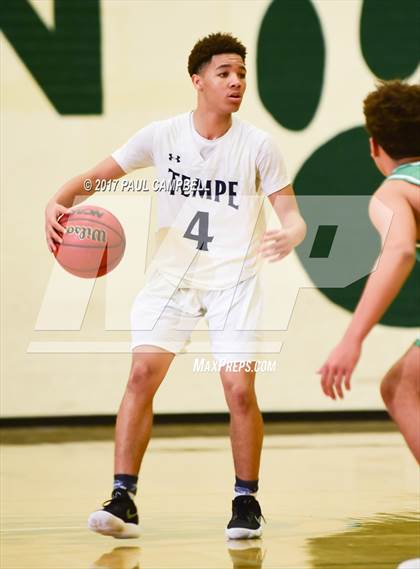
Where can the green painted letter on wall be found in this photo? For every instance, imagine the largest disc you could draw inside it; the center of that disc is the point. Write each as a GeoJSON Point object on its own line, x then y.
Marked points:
{"type": "Point", "coordinates": [65, 61]}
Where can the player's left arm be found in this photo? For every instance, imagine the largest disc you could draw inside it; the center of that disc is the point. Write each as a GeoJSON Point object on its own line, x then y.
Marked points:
{"type": "Point", "coordinates": [277, 243]}
{"type": "Point", "coordinates": [396, 261]}
{"type": "Point", "coordinates": [393, 217]}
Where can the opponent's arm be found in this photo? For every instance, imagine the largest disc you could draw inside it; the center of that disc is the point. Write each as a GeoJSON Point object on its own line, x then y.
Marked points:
{"type": "Point", "coordinates": [394, 264]}
{"type": "Point", "coordinates": [398, 237]}
{"type": "Point", "coordinates": [73, 192]}
{"type": "Point", "coordinates": [278, 243]}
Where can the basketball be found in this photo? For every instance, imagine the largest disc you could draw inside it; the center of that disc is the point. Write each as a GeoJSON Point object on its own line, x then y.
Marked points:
{"type": "Point", "coordinates": [93, 242]}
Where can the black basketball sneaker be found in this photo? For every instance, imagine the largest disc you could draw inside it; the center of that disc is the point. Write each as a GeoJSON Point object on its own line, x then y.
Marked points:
{"type": "Point", "coordinates": [246, 518]}
{"type": "Point", "coordinates": [118, 517]}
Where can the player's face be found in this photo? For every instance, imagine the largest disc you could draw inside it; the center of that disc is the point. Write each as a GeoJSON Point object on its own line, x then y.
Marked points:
{"type": "Point", "coordinates": [222, 83]}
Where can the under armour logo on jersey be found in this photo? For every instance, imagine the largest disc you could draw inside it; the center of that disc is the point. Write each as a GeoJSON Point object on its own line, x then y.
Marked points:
{"type": "Point", "coordinates": [172, 157]}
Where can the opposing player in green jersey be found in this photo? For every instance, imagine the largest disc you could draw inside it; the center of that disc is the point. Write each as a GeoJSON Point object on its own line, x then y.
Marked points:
{"type": "Point", "coordinates": [392, 115]}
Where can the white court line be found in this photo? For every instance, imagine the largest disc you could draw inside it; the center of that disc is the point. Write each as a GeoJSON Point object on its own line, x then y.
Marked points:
{"type": "Point", "coordinates": [56, 528]}
{"type": "Point", "coordinates": [70, 347]}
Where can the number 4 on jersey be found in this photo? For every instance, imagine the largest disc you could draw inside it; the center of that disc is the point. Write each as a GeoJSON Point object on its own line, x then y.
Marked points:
{"type": "Point", "coordinates": [202, 218]}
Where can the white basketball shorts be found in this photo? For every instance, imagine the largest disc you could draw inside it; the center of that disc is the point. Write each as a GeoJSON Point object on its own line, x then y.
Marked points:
{"type": "Point", "coordinates": [164, 315]}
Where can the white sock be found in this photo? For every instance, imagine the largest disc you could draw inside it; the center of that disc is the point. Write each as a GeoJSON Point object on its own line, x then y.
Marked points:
{"type": "Point", "coordinates": [254, 494]}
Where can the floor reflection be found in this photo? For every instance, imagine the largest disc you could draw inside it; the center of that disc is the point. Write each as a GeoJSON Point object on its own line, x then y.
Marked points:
{"type": "Point", "coordinates": [246, 553]}
{"type": "Point", "coordinates": [119, 558]}
{"type": "Point", "coordinates": [383, 542]}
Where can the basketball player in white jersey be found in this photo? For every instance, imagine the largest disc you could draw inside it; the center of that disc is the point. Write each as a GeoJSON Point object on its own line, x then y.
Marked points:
{"type": "Point", "coordinates": [213, 172]}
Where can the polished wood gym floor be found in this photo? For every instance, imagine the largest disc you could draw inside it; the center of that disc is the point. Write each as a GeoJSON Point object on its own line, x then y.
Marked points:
{"type": "Point", "coordinates": [332, 500]}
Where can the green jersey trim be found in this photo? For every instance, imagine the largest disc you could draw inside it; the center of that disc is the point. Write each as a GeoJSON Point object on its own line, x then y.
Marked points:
{"type": "Point", "coordinates": [408, 172]}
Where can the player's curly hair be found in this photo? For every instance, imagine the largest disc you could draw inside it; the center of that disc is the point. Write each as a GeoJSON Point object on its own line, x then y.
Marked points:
{"type": "Point", "coordinates": [213, 44]}
{"type": "Point", "coordinates": [392, 114]}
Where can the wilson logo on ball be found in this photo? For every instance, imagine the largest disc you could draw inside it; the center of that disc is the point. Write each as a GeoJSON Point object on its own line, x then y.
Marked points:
{"type": "Point", "coordinates": [84, 232]}
{"type": "Point", "coordinates": [93, 242]}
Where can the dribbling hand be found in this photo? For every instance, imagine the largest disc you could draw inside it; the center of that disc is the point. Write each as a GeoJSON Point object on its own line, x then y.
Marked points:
{"type": "Point", "coordinates": [53, 229]}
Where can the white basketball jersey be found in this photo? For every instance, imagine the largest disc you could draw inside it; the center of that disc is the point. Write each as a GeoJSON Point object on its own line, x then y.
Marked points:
{"type": "Point", "coordinates": [210, 217]}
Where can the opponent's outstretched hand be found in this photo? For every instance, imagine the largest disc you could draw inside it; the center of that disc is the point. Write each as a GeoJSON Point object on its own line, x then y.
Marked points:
{"type": "Point", "coordinates": [338, 368]}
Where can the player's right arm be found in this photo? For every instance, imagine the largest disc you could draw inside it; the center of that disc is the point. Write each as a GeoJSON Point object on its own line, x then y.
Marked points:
{"type": "Point", "coordinates": [73, 192]}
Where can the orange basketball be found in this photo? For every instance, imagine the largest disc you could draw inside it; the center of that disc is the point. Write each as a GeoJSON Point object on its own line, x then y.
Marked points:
{"type": "Point", "coordinates": [93, 242]}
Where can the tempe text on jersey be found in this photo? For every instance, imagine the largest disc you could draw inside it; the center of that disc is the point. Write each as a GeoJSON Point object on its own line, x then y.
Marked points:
{"type": "Point", "coordinates": [209, 189]}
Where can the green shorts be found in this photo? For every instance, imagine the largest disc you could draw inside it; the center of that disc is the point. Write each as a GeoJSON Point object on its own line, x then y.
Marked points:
{"type": "Point", "coordinates": [417, 342]}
